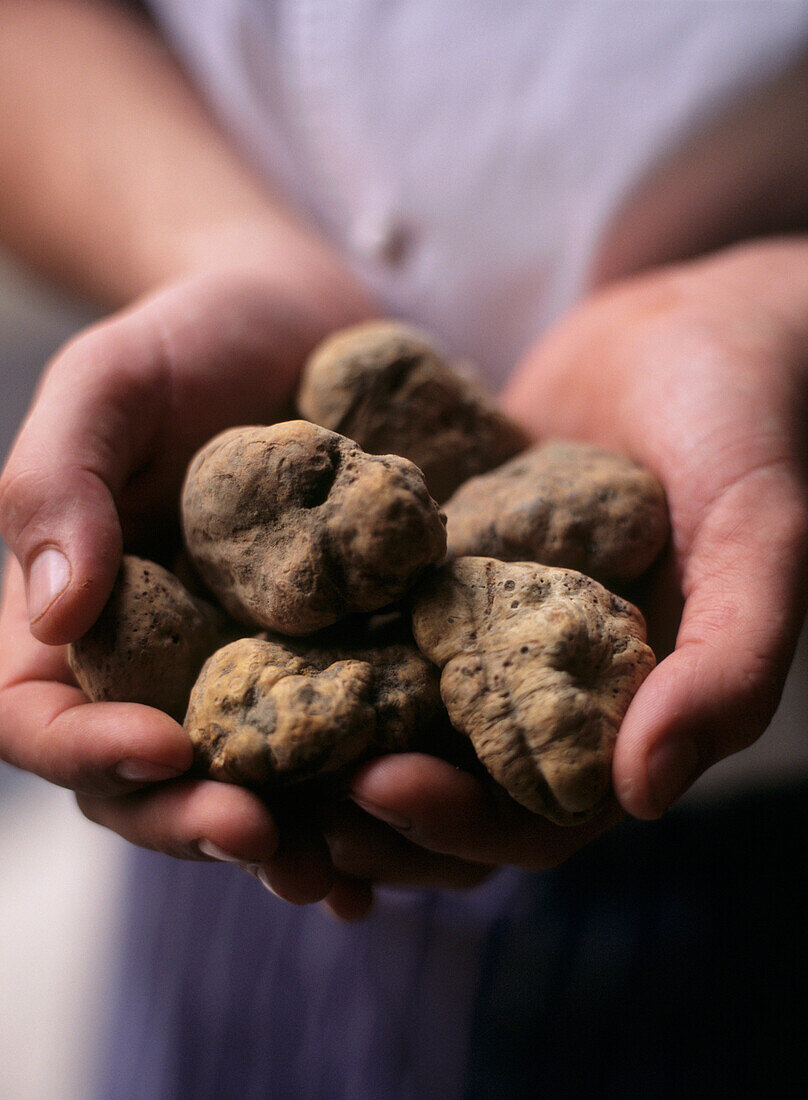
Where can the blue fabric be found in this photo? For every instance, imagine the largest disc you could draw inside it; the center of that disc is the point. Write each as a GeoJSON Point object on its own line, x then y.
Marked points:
{"type": "Point", "coordinates": [666, 960]}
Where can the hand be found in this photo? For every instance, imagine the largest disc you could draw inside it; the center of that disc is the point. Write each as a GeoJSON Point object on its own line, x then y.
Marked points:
{"type": "Point", "coordinates": [98, 464]}
{"type": "Point", "coordinates": [700, 372]}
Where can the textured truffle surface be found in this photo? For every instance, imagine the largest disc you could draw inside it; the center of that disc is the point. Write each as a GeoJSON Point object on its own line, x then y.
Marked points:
{"type": "Point", "coordinates": [566, 504]}
{"type": "Point", "coordinates": [149, 642]}
{"type": "Point", "coordinates": [385, 385]}
{"type": "Point", "coordinates": [293, 526]}
{"type": "Point", "coordinates": [539, 667]}
{"type": "Point", "coordinates": [269, 710]}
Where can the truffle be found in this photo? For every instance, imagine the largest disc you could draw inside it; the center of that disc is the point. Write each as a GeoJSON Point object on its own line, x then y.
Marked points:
{"type": "Point", "coordinates": [148, 643]}
{"type": "Point", "coordinates": [563, 503]}
{"type": "Point", "coordinates": [386, 386]}
{"type": "Point", "coordinates": [539, 667]}
{"type": "Point", "coordinates": [270, 710]}
{"type": "Point", "coordinates": [293, 526]}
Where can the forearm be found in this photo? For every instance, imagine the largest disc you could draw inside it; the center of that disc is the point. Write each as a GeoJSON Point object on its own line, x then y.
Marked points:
{"type": "Point", "coordinates": [113, 178]}
{"type": "Point", "coordinates": [738, 178]}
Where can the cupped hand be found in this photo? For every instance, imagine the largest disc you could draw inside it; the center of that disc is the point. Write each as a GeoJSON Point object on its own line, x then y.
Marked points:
{"type": "Point", "coordinates": [699, 371]}
{"type": "Point", "coordinates": [98, 465]}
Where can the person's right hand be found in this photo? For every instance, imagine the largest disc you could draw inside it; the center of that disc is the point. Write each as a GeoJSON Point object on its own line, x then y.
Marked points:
{"type": "Point", "coordinates": [98, 465]}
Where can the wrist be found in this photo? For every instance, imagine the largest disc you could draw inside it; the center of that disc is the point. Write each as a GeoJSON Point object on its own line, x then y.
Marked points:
{"type": "Point", "coordinates": [269, 247]}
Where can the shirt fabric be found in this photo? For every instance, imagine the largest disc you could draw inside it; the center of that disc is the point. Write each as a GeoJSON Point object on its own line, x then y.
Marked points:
{"type": "Point", "coordinates": [665, 960]}
{"type": "Point", "coordinates": [466, 157]}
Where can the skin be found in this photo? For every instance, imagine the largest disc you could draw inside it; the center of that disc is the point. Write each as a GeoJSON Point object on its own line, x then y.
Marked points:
{"type": "Point", "coordinates": [696, 368]}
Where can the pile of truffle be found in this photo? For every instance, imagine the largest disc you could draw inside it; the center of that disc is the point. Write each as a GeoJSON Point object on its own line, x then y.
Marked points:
{"type": "Point", "coordinates": [396, 565]}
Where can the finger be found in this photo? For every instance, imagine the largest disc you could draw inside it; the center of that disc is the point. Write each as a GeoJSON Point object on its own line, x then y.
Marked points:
{"type": "Point", "coordinates": [102, 749]}
{"type": "Point", "coordinates": [99, 748]}
{"type": "Point", "coordinates": [350, 898]}
{"type": "Point", "coordinates": [446, 810]}
{"type": "Point", "coordinates": [365, 848]}
{"type": "Point", "coordinates": [191, 819]}
{"type": "Point", "coordinates": [206, 820]}
{"type": "Point", "coordinates": [97, 408]}
{"type": "Point", "coordinates": [718, 691]}
{"type": "Point", "coordinates": [300, 871]}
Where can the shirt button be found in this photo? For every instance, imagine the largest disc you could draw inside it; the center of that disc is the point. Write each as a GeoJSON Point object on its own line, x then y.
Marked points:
{"type": "Point", "coordinates": [382, 238]}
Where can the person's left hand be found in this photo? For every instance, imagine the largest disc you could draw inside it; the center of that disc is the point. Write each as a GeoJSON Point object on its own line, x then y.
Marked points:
{"type": "Point", "coordinates": [699, 371]}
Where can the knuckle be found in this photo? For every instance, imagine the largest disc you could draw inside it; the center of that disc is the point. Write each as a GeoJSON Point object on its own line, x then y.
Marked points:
{"type": "Point", "coordinates": [33, 498]}
{"type": "Point", "coordinates": [760, 685]}
{"type": "Point", "coordinates": [91, 807]}
{"type": "Point", "coordinates": [91, 352]}
{"type": "Point", "coordinates": [23, 499]}
{"type": "Point", "coordinates": [116, 371]}
{"type": "Point", "coordinates": [744, 709]}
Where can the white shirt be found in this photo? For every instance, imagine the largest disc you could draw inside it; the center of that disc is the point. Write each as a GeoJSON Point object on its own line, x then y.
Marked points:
{"type": "Point", "coordinates": [467, 154]}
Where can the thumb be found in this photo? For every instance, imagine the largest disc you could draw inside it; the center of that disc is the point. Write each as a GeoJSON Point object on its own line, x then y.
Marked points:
{"type": "Point", "coordinates": [87, 431]}
{"type": "Point", "coordinates": [717, 692]}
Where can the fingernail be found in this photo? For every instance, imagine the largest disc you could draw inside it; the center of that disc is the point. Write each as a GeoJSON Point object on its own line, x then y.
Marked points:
{"type": "Point", "coordinates": [142, 771]}
{"type": "Point", "coordinates": [383, 814]}
{"type": "Point", "coordinates": [672, 767]}
{"type": "Point", "coordinates": [48, 577]}
{"type": "Point", "coordinates": [260, 873]}
{"type": "Point", "coordinates": [208, 848]}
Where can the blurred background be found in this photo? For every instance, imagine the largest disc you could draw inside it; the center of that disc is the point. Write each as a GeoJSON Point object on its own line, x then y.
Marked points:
{"type": "Point", "coordinates": [58, 873]}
